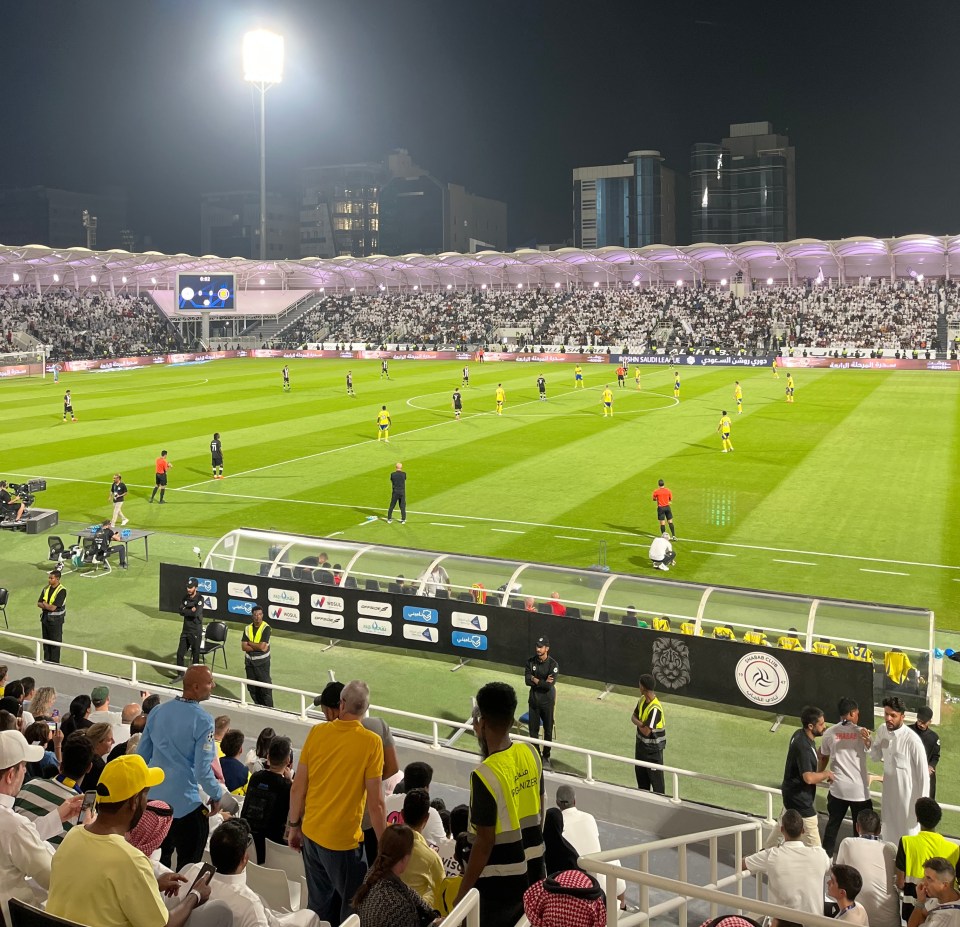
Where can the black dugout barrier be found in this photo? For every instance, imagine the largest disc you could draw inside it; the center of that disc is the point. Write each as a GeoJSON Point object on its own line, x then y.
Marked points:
{"type": "Point", "coordinates": [720, 671]}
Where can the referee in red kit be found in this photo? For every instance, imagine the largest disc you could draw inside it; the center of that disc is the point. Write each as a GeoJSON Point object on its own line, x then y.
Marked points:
{"type": "Point", "coordinates": [162, 466]}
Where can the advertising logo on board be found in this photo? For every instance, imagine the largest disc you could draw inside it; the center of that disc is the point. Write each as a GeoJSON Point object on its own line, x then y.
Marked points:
{"type": "Point", "coordinates": [242, 590]}
{"type": "Point", "coordinates": [469, 621]}
{"type": "Point", "coordinates": [326, 620]}
{"type": "Point", "coordinates": [210, 602]}
{"type": "Point", "coordinates": [422, 615]}
{"type": "Point", "coordinates": [372, 626]}
{"type": "Point", "coordinates": [330, 603]}
{"type": "Point", "coordinates": [283, 596]}
{"type": "Point", "coordinates": [205, 585]}
{"type": "Point", "coordinates": [416, 632]}
{"type": "Point", "coordinates": [375, 609]}
{"type": "Point", "coordinates": [240, 607]}
{"type": "Point", "coordinates": [282, 613]}
{"type": "Point", "coordinates": [469, 641]}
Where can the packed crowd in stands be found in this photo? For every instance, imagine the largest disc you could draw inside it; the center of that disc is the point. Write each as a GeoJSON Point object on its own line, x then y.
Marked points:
{"type": "Point", "coordinates": [175, 786]}
{"type": "Point", "coordinates": [89, 325]}
{"type": "Point", "coordinates": [859, 316]}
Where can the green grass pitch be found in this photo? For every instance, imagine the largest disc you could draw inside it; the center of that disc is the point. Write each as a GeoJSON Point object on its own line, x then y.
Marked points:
{"type": "Point", "coordinates": [849, 492]}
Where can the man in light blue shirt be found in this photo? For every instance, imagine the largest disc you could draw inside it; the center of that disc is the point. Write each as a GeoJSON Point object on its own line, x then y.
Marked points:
{"type": "Point", "coordinates": [179, 739]}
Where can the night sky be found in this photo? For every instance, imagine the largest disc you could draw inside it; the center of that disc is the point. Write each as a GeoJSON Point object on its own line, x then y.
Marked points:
{"type": "Point", "coordinates": [505, 98]}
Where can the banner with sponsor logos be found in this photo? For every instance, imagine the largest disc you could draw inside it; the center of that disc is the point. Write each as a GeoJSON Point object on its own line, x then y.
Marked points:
{"type": "Point", "coordinates": [870, 363]}
{"type": "Point", "coordinates": [727, 672]}
{"type": "Point", "coordinates": [692, 360]}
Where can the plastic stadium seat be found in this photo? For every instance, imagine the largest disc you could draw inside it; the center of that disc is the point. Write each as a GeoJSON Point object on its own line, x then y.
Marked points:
{"type": "Point", "coordinates": [604, 617]}
{"type": "Point", "coordinates": [273, 887]}
{"type": "Point", "coordinates": [350, 583]}
{"type": "Point", "coordinates": [394, 588]}
{"type": "Point", "coordinates": [371, 585]}
{"type": "Point", "coordinates": [573, 611]}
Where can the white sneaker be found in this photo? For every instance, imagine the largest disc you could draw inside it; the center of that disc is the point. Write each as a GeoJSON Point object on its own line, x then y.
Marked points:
{"type": "Point", "coordinates": [665, 568]}
{"type": "Point", "coordinates": [124, 521]}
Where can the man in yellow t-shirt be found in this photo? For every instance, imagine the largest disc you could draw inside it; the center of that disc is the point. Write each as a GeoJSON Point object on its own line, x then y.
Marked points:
{"type": "Point", "coordinates": [340, 771]}
{"type": "Point", "coordinates": [424, 873]}
{"type": "Point", "coordinates": [607, 401]}
{"type": "Point", "coordinates": [501, 396]}
{"type": "Point", "coordinates": [97, 878]}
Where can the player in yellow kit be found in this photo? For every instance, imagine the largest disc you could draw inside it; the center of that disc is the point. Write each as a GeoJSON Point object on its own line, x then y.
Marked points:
{"type": "Point", "coordinates": [578, 377]}
{"type": "Point", "coordinates": [776, 372]}
{"type": "Point", "coordinates": [676, 384]}
{"type": "Point", "coordinates": [383, 425]}
{"type": "Point", "coordinates": [501, 396]}
{"type": "Point", "coordinates": [738, 396]}
{"type": "Point", "coordinates": [789, 387]}
{"type": "Point", "coordinates": [636, 377]}
{"type": "Point", "coordinates": [724, 429]}
{"type": "Point", "coordinates": [607, 401]}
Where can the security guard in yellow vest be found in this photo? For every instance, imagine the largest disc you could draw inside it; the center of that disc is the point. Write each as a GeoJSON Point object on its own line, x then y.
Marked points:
{"type": "Point", "coordinates": [53, 609]}
{"type": "Point", "coordinates": [651, 736]}
{"type": "Point", "coordinates": [506, 798]}
{"type": "Point", "coordinates": [255, 644]}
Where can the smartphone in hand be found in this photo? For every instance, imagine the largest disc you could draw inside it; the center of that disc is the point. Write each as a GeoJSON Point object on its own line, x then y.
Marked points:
{"type": "Point", "coordinates": [204, 875]}
{"type": "Point", "coordinates": [89, 800]}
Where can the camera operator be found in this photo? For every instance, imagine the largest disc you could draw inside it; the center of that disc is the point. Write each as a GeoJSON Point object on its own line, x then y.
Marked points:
{"type": "Point", "coordinates": [7, 506]}
{"type": "Point", "coordinates": [103, 543]}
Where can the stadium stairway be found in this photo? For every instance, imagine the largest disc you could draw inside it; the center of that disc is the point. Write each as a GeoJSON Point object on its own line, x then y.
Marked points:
{"type": "Point", "coordinates": [270, 329]}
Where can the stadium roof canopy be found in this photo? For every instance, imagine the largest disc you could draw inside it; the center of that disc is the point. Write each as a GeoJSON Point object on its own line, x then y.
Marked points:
{"type": "Point", "coordinates": [791, 262]}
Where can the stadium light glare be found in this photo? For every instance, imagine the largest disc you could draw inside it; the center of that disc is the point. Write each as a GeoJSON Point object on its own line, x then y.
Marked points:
{"type": "Point", "coordinates": [262, 57]}
{"type": "Point", "coordinates": [16, 278]}
{"type": "Point", "coordinates": [596, 283]}
{"type": "Point", "coordinates": [262, 281]}
{"type": "Point", "coordinates": [723, 281]}
{"type": "Point", "coordinates": [123, 279]}
{"type": "Point", "coordinates": [919, 278]}
{"type": "Point", "coordinates": [519, 286]}
{"type": "Point", "coordinates": [415, 287]}
{"type": "Point", "coordinates": [56, 278]}
{"type": "Point", "coordinates": [769, 281]}
{"type": "Point", "coordinates": [483, 286]}
{"type": "Point", "coordinates": [153, 280]}
{"type": "Point", "coordinates": [679, 283]}
{"type": "Point", "coordinates": [353, 289]}
{"type": "Point", "coordinates": [263, 67]}
{"type": "Point", "coordinates": [636, 283]}
{"type": "Point", "coordinates": [93, 278]}
{"type": "Point", "coordinates": [556, 286]}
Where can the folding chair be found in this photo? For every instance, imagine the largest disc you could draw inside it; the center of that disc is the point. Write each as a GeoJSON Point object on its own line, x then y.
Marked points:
{"type": "Point", "coordinates": [215, 640]}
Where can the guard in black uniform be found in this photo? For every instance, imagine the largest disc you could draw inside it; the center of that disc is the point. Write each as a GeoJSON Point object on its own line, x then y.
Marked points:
{"type": "Point", "coordinates": [540, 674]}
{"type": "Point", "coordinates": [216, 456]}
{"type": "Point", "coordinates": [542, 388]}
{"type": "Point", "coordinates": [255, 644]}
{"type": "Point", "coordinates": [53, 609]}
{"type": "Point", "coordinates": [931, 743]}
{"type": "Point", "coordinates": [191, 610]}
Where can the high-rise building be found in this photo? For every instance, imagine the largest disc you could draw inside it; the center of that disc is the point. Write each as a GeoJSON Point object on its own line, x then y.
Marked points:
{"type": "Point", "coordinates": [52, 217]}
{"type": "Point", "coordinates": [744, 189]}
{"type": "Point", "coordinates": [230, 225]}
{"type": "Point", "coordinates": [340, 210]}
{"type": "Point", "coordinates": [630, 204]}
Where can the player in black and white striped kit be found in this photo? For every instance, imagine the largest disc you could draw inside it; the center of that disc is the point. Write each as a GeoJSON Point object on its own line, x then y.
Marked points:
{"type": "Point", "coordinates": [216, 456]}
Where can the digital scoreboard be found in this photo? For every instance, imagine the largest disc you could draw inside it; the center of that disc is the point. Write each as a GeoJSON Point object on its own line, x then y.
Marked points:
{"type": "Point", "coordinates": [206, 292]}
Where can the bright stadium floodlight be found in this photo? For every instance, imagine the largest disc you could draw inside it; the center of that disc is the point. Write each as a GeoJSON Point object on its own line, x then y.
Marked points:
{"type": "Point", "coordinates": [263, 67]}
{"type": "Point", "coordinates": [596, 283]}
{"type": "Point", "coordinates": [449, 286]}
{"type": "Point", "coordinates": [93, 278]}
{"type": "Point", "coordinates": [16, 278]}
{"type": "Point", "coordinates": [56, 278]}
{"type": "Point", "coordinates": [556, 286]}
{"type": "Point", "coordinates": [723, 281]}
{"type": "Point", "coordinates": [123, 279]}
{"type": "Point", "coordinates": [262, 282]}
{"type": "Point", "coordinates": [769, 281]}
{"type": "Point", "coordinates": [679, 283]}
{"type": "Point", "coordinates": [483, 286]}
{"type": "Point", "coordinates": [153, 280]}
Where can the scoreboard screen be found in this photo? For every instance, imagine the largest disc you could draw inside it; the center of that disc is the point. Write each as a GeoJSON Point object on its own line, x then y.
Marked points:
{"type": "Point", "coordinates": [206, 292]}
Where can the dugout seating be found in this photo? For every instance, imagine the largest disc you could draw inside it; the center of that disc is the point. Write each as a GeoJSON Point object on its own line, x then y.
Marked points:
{"type": "Point", "coordinates": [825, 647]}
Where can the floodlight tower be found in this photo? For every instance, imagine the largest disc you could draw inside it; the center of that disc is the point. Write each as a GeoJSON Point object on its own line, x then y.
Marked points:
{"type": "Point", "coordinates": [263, 67]}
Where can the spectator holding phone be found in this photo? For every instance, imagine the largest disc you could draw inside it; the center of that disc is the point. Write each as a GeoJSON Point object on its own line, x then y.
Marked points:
{"type": "Point", "coordinates": [99, 878]}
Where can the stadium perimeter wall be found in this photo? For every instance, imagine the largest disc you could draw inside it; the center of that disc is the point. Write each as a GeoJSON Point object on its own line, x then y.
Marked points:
{"type": "Point", "coordinates": [691, 360]}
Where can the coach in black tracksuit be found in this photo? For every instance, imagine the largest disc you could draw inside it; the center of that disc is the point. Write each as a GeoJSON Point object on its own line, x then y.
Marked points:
{"type": "Point", "coordinates": [540, 674]}
{"type": "Point", "coordinates": [191, 609]}
{"type": "Point", "coordinates": [398, 481]}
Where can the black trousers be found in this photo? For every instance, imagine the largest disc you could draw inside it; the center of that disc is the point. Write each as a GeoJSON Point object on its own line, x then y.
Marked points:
{"type": "Point", "coordinates": [51, 630]}
{"type": "Point", "coordinates": [401, 500]}
{"type": "Point", "coordinates": [189, 640]}
{"type": "Point", "coordinates": [649, 780]}
{"type": "Point", "coordinates": [933, 785]}
{"type": "Point", "coordinates": [259, 671]}
{"type": "Point", "coordinates": [117, 549]}
{"type": "Point", "coordinates": [540, 710]}
{"type": "Point", "coordinates": [836, 810]}
{"type": "Point", "coordinates": [188, 836]}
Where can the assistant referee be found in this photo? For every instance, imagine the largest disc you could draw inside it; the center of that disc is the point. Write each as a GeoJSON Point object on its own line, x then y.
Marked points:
{"type": "Point", "coordinates": [664, 498]}
{"type": "Point", "coordinates": [162, 466]}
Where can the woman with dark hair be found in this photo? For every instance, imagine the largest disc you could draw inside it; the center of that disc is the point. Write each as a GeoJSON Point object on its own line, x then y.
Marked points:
{"type": "Point", "coordinates": [558, 853]}
{"type": "Point", "coordinates": [78, 717]}
{"type": "Point", "coordinates": [383, 900]}
{"type": "Point", "coordinates": [256, 759]}
{"type": "Point", "coordinates": [101, 736]}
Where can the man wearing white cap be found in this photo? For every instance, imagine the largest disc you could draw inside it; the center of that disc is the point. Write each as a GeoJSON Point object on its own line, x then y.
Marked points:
{"type": "Point", "coordinates": [98, 878]}
{"type": "Point", "coordinates": [24, 853]}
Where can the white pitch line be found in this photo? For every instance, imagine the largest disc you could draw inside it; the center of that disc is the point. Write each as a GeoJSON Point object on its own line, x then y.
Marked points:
{"type": "Point", "coordinates": [511, 531]}
{"type": "Point", "coordinates": [887, 572]}
{"type": "Point", "coordinates": [445, 524]}
{"type": "Point", "coordinates": [568, 537]}
{"type": "Point", "coordinates": [514, 521]}
{"type": "Point", "coordinates": [803, 563]}
{"type": "Point", "coordinates": [712, 553]}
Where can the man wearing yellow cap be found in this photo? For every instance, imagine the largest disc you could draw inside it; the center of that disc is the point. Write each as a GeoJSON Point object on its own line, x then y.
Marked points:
{"type": "Point", "coordinates": [98, 879]}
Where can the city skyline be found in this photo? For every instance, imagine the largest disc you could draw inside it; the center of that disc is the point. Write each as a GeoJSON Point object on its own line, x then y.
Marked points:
{"type": "Point", "coordinates": [505, 101]}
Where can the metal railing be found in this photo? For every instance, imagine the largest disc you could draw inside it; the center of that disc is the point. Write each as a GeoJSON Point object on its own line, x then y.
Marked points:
{"type": "Point", "coordinates": [672, 774]}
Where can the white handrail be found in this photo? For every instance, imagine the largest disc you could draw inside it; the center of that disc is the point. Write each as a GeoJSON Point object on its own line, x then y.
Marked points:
{"type": "Point", "coordinates": [674, 773]}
